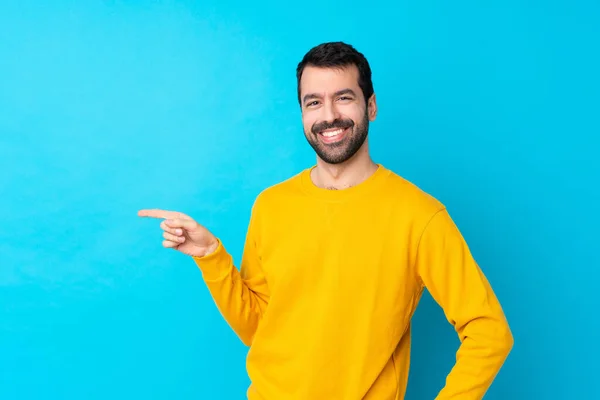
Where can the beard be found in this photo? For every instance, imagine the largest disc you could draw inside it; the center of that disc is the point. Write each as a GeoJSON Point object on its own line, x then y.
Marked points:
{"type": "Point", "coordinates": [343, 150]}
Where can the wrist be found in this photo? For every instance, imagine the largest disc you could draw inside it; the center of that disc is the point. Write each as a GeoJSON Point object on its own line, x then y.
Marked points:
{"type": "Point", "coordinates": [210, 249]}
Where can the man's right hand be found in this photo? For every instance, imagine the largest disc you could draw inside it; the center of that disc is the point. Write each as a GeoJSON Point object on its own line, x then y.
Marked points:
{"type": "Point", "coordinates": [182, 233]}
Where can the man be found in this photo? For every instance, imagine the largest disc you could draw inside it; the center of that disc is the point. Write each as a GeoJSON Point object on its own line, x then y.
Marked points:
{"type": "Point", "coordinates": [336, 259]}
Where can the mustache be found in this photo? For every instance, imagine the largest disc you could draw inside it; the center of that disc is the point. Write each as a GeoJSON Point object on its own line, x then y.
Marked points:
{"type": "Point", "coordinates": [338, 123]}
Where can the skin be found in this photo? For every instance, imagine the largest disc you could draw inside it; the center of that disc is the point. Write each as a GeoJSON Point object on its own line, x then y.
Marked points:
{"type": "Point", "coordinates": [182, 233]}
{"type": "Point", "coordinates": [330, 95]}
{"type": "Point", "coordinates": [331, 98]}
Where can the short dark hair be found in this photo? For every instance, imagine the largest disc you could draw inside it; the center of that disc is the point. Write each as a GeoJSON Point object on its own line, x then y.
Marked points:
{"type": "Point", "coordinates": [337, 55]}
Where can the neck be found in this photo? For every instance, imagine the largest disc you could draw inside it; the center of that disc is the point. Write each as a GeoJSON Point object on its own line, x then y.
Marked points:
{"type": "Point", "coordinates": [344, 175]}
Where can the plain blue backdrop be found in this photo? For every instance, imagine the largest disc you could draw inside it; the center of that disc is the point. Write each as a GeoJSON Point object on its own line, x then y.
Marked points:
{"type": "Point", "coordinates": [107, 107]}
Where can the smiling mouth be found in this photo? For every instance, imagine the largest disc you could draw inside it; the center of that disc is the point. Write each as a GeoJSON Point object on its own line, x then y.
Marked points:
{"type": "Point", "coordinates": [333, 135]}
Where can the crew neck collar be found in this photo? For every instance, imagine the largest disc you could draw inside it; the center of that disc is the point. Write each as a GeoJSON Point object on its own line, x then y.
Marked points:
{"type": "Point", "coordinates": [342, 194]}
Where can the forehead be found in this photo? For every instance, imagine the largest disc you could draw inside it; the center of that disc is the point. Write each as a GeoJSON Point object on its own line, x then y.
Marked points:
{"type": "Point", "coordinates": [329, 80]}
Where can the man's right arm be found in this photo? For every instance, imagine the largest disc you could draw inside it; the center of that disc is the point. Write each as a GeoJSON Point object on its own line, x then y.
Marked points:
{"type": "Point", "coordinates": [240, 295]}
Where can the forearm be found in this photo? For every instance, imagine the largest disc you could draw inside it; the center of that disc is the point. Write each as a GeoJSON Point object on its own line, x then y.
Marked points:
{"type": "Point", "coordinates": [241, 306]}
{"type": "Point", "coordinates": [485, 345]}
{"type": "Point", "coordinates": [454, 279]}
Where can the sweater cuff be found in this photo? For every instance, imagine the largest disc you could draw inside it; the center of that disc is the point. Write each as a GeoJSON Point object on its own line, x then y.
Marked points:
{"type": "Point", "coordinates": [216, 265]}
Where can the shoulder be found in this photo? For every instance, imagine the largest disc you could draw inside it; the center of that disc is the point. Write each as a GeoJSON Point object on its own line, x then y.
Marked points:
{"type": "Point", "coordinates": [409, 196]}
{"type": "Point", "coordinates": [418, 209]}
{"type": "Point", "coordinates": [278, 193]}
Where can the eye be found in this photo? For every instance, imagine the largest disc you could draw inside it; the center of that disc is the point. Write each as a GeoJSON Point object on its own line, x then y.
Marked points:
{"type": "Point", "coordinates": [345, 98]}
{"type": "Point", "coordinates": [312, 103]}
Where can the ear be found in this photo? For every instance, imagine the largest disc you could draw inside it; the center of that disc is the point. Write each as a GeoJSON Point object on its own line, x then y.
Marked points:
{"type": "Point", "coordinates": [372, 107]}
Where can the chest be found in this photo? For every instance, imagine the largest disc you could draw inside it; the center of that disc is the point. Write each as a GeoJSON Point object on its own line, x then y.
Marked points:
{"type": "Point", "coordinates": [353, 252]}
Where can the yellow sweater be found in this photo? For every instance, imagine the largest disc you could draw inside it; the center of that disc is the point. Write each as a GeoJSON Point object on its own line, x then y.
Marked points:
{"type": "Point", "coordinates": [329, 282]}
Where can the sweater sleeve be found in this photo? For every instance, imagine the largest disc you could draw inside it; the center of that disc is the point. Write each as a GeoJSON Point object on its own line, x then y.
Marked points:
{"type": "Point", "coordinates": [240, 295]}
{"type": "Point", "coordinates": [455, 281]}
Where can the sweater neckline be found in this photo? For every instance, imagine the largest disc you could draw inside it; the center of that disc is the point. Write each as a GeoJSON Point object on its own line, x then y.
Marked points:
{"type": "Point", "coordinates": [359, 190]}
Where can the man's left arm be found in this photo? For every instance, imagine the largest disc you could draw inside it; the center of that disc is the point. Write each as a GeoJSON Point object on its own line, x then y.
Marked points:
{"type": "Point", "coordinates": [448, 270]}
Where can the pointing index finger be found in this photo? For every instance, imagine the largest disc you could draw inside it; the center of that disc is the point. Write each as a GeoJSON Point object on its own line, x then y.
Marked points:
{"type": "Point", "coordinates": [158, 213]}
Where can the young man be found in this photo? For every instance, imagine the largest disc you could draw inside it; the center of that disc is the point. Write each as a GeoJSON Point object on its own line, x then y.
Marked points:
{"type": "Point", "coordinates": [336, 259]}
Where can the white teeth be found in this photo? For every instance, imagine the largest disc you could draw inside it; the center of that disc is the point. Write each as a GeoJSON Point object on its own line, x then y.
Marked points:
{"type": "Point", "coordinates": [332, 133]}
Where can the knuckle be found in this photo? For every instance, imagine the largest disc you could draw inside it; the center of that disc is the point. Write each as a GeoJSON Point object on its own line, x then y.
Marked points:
{"type": "Point", "coordinates": [168, 236]}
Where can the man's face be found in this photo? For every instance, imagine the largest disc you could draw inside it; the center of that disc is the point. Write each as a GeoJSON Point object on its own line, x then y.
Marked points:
{"type": "Point", "coordinates": [334, 112]}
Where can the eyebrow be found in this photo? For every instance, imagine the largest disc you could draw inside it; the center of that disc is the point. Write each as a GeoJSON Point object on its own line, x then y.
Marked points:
{"type": "Point", "coordinates": [311, 96]}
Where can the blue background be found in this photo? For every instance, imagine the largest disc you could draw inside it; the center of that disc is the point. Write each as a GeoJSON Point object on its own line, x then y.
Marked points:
{"type": "Point", "coordinates": [109, 107]}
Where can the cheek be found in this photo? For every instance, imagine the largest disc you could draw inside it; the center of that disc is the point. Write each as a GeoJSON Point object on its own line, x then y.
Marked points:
{"type": "Point", "coordinates": [356, 114]}
{"type": "Point", "coordinates": [307, 122]}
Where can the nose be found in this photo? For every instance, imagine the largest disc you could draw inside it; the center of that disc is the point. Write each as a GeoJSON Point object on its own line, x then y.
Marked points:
{"type": "Point", "coordinates": [330, 112]}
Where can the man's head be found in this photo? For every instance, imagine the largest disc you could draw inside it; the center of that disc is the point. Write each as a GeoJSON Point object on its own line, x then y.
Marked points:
{"type": "Point", "coordinates": [336, 96]}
